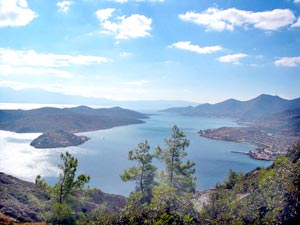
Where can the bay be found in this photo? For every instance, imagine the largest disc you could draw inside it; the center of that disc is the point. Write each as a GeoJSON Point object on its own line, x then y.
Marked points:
{"type": "Point", "coordinates": [105, 156]}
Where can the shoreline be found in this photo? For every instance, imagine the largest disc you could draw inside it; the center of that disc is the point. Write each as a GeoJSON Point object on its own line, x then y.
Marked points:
{"type": "Point", "coordinates": [268, 146]}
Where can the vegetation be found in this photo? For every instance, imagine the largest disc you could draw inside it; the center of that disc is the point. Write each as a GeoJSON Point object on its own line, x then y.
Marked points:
{"type": "Point", "coordinates": [65, 193]}
{"type": "Point", "coordinates": [177, 173]}
{"type": "Point", "coordinates": [143, 173]}
{"type": "Point", "coordinates": [262, 196]}
{"type": "Point", "coordinates": [160, 198]}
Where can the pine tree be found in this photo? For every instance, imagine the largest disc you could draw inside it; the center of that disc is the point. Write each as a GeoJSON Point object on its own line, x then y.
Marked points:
{"type": "Point", "coordinates": [144, 172]}
{"type": "Point", "coordinates": [179, 174]}
{"type": "Point", "coordinates": [64, 190]}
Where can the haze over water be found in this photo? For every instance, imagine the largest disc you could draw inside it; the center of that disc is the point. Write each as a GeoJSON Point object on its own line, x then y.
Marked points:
{"type": "Point", "coordinates": [105, 156]}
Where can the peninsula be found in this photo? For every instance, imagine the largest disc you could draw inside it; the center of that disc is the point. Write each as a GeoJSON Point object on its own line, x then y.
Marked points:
{"type": "Point", "coordinates": [59, 125]}
{"type": "Point", "coordinates": [272, 135]}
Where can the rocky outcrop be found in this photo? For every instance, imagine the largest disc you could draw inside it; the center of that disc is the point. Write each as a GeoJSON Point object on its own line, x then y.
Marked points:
{"type": "Point", "coordinates": [57, 139]}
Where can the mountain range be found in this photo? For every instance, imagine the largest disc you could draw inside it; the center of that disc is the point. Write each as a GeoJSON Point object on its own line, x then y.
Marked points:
{"type": "Point", "coordinates": [39, 96]}
{"type": "Point", "coordinates": [259, 106]}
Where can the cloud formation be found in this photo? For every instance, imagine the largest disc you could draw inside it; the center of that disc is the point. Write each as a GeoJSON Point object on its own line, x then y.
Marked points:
{"type": "Point", "coordinates": [186, 45]}
{"type": "Point", "coordinates": [122, 27]}
{"type": "Point", "coordinates": [7, 70]}
{"type": "Point", "coordinates": [64, 6]}
{"type": "Point", "coordinates": [234, 58]}
{"type": "Point", "coordinates": [288, 62]}
{"type": "Point", "coordinates": [297, 24]}
{"type": "Point", "coordinates": [32, 58]}
{"type": "Point", "coordinates": [14, 13]}
{"type": "Point", "coordinates": [229, 19]}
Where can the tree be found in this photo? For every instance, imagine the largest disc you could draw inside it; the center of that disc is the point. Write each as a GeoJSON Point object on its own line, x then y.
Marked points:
{"type": "Point", "coordinates": [232, 178]}
{"type": "Point", "coordinates": [63, 192]}
{"type": "Point", "coordinates": [179, 174]}
{"type": "Point", "coordinates": [144, 173]}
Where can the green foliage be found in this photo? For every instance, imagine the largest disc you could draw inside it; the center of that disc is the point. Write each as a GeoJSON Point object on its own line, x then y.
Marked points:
{"type": "Point", "coordinates": [294, 152]}
{"type": "Point", "coordinates": [166, 202]}
{"type": "Point", "coordinates": [166, 207]}
{"type": "Point", "coordinates": [178, 174]}
{"type": "Point", "coordinates": [263, 196]}
{"type": "Point", "coordinates": [63, 199]}
{"type": "Point", "coordinates": [232, 179]}
{"type": "Point", "coordinates": [144, 173]}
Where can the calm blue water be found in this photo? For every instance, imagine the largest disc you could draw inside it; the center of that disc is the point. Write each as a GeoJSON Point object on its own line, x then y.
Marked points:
{"type": "Point", "coordinates": [104, 157]}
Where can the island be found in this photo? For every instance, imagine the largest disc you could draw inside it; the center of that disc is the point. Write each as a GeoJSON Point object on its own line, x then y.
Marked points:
{"type": "Point", "coordinates": [59, 126]}
{"type": "Point", "coordinates": [58, 139]}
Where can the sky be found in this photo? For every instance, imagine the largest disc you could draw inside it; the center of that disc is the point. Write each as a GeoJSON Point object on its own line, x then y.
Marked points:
{"type": "Point", "coordinates": [193, 50]}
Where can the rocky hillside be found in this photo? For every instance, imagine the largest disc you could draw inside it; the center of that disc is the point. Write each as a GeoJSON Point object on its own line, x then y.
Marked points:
{"type": "Point", "coordinates": [17, 199]}
{"type": "Point", "coordinates": [23, 201]}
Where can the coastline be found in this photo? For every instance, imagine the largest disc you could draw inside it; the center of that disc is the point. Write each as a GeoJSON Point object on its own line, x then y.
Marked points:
{"type": "Point", "coordinates": [268, 145]}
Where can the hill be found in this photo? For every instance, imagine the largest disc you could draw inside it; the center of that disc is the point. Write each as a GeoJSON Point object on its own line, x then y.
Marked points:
{"type": "Point", "coordinates": [287, 122]}
{"type": "Point", "coordinates": [23, 201]}
{"type": "Point", "coordinates": [259, 106]}
{"type": "Point", "coordinates": [273, 134]}
{"type": "Point", "coordinates": [262, 196]}
{"type": "Point", "coordinates": [73, 120]}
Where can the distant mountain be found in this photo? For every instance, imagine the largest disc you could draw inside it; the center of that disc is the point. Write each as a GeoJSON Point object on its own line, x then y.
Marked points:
{"type": "Point", "coordinates": [259, 106]}
{"type": "Point", "coordinates": [78, 119]}
{"type": "Point", "coordinates": [39, 96]}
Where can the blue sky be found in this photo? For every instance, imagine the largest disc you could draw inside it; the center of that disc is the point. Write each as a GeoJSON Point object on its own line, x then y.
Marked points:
{"type": "Point", "coordinates": [195, 50]}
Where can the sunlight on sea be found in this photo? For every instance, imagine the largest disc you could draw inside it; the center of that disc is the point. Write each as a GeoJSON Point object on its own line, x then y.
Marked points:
{"type": "Point", "coordinates": [19, 159]}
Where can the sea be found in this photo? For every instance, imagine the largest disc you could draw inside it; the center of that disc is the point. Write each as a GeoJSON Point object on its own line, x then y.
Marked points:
{"type": "Point", "coordinates": [105, 156]}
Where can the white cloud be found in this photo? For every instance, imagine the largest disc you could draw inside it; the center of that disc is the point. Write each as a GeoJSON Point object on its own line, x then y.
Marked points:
{"type": "Point", "coordinates": [104, 14]}
{"type": "Point", "coordinates": [15, 13]}
{"type": "Point", "coordinates": [6, 70]}
{"type": "Point", "coordinates": [296, 1]}
{"type": "Point", "coordinates": [297, 24]}
{"type": "Point", "coordinates": [64, 6]}
{"type": "Point", "coordinates": [234, 58]}
{"type": "Point", "coordinates": [32, 58]}
{"type": "Point", "coordinates": [229, 19]}
{"type": "Point", "coordinates": [288, 62]}
{"type": "Point", "coordinates": [186, 45]}
{"type": "Point", "coordinates": [122, 27]}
